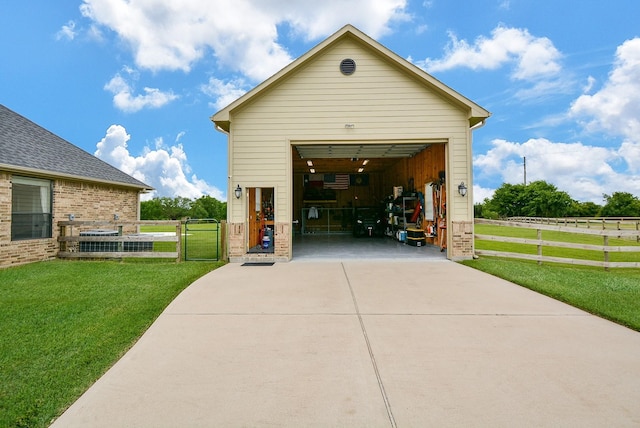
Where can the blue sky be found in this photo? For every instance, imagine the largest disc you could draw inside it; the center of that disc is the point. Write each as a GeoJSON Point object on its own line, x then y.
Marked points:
{"type": "Point", "coordinates": [135, 82]}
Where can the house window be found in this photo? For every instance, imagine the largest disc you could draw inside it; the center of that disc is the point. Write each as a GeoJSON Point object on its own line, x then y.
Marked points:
{"type": "Point", "coordinates": [30, 208]}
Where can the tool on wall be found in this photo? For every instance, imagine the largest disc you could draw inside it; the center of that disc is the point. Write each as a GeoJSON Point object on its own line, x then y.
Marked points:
{"type": "Point", "coordinates": [440, 210]}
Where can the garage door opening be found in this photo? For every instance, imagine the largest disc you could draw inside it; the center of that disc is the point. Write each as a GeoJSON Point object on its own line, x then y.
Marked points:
{"type": "Point", "coordinates": [369, 198]}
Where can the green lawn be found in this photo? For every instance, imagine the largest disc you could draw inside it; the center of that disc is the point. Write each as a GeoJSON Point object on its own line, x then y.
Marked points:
{"type": "Point", "coordinates": [64, 323]}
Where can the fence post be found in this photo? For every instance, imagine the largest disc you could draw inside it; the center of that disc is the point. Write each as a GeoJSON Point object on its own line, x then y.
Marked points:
{"type": "Point", "coordinates": [120, 243]}
{"type": "Point", "coordinates": [63, 234]}
{"type": "Point", "coordinates": [222, 238]}
{"type": "Point", "coordinates": [539, 247]}
{"type": "Point", "coordinates": [606, 253]}
{"type": "Point", "coordinates": [179, 243]}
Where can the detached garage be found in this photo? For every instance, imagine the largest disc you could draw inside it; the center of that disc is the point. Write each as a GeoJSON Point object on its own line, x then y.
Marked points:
{"type": "Point", "coordinates": [346, 135]}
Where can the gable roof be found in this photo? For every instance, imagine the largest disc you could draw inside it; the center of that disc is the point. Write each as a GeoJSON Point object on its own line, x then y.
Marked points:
{"type": "Point", "coordinates": [477, 114]}
{"type": "Point", "coordinates": [26, 147]}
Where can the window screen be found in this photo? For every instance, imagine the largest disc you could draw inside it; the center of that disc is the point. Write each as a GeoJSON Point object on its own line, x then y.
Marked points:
{"type": "Point", "coordinates": [30, 208]}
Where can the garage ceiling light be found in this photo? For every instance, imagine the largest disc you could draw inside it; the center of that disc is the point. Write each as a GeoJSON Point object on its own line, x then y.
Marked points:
{"type": "Point", "coordinates": [309, 163]}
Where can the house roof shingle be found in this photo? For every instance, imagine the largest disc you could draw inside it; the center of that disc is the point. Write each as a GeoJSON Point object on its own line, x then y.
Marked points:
{"type": "Point", "coordinates": [26, 146]}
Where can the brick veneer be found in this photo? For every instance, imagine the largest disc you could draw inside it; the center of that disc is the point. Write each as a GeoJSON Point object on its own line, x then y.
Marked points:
{"type": "Point", "coordinates": [461, 240]}
{"type": "Point", "coordinates": [237, 244]}
{"type": "Point", "coordinates": [87, 201]}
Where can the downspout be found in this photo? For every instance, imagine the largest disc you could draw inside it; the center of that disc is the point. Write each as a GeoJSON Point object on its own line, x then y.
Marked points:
{"type": "Point", "coordinates": [470, 195]}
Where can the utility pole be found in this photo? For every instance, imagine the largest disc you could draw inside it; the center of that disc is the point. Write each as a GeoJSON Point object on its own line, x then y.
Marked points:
{"type": "Point", "coordinates": [524, 164]}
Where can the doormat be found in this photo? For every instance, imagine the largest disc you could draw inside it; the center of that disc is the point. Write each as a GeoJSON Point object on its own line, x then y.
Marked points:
{"type": "Point", "coordinates": [258, 264]}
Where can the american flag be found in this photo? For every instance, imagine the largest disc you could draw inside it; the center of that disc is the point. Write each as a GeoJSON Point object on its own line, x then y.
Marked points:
{"type": "Point", "coordinates": [336, 181]}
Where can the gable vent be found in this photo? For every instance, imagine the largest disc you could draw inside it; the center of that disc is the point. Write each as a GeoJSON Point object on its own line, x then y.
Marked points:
{"type": "Point", "coordinates": [347, 66]}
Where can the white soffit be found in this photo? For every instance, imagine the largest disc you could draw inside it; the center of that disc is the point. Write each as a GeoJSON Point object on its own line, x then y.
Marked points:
{"type": "Point", "coordinates": [360, 151]}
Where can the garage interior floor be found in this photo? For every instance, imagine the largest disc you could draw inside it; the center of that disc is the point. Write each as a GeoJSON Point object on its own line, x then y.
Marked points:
{"type": "Point", "coordinates": [314, 247]}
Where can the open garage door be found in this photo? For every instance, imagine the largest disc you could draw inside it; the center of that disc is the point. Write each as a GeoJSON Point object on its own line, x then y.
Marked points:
{"type": "Point", "coordinates": [359, 193]}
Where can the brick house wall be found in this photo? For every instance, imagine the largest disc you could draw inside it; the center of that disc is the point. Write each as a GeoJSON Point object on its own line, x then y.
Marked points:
{"type": "Point", "coordinates": [86, 200]}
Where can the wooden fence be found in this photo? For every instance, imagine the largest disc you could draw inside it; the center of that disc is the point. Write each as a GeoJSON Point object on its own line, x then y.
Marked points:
{"type": "Point", "coordinates": [619, 232]}
{"type": "Point", "coordinates": [604, 223]}
{"type": "Point", "coordinates": [117, 239]}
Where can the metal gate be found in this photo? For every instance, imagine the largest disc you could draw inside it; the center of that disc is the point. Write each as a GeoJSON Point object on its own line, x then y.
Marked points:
{"type": "Point", "coordinates": [202, 239]}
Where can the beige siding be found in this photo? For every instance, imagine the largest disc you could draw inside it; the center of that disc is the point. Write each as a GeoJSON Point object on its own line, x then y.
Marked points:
{"type": "Point", "coordinates": [314, 104]}
{"type": "Point", "coordinates": [459, 171]}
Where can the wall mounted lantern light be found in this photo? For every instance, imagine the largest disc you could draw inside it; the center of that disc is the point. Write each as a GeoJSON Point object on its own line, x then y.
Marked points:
{"type": "Point", "coordinates": [238, 192]}
{"type": "Point", "coordinates": [462, 189]}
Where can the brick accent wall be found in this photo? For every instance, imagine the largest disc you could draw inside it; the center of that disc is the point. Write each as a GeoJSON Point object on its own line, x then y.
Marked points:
{"type": "Point", "coordinates": [237, 244]}
{"type": "Point", "coordinates": [461, 240]}
{"type": "Point", "coordinates": [87, 201]}
{"type": "Point", "coordinates": [282, 233]}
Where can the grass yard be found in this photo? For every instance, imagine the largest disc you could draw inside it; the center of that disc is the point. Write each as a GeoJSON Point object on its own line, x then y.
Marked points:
{"type": "Point", "coordinates": [64, 323]}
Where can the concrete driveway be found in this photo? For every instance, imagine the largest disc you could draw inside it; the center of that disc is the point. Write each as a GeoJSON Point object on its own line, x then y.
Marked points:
{"type": "Point", "coordinates": [368, 344]}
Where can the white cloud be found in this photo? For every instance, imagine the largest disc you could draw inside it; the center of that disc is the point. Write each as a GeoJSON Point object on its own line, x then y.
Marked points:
{"type": "Point", "coordinates": [224, 92]}
{"type": "Point", "coordinates": [124, 99]}
{"type": "Point", "coordinates": [591, 81]}
{"type": "Point", "coordinates": [533, 57]}
{"type": "Point", "coordinates": [584, 172]}
{"type": "Point", "coordinates": [630, 151]}
{"type": "Point", "coordinates": [164, 168]}
{"type": "Point", "coordinates": [544, 89]}
{"type": "Point", "coordinates": [481, 193]}
{"type": "Point", "coordinates": [95, 33]}
{"type": "Point", "coordinates": [615, 109]}
{"type": "Point", "coordinates": [420, 29]}
{"type": "Point", "coordinates": [241, 34]}
{"type": "Point", "coordinates": [67, 31]}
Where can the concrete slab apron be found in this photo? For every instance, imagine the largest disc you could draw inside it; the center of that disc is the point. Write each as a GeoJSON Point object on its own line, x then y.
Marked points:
{"type": "Point", "coordinates": [368, 344]}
